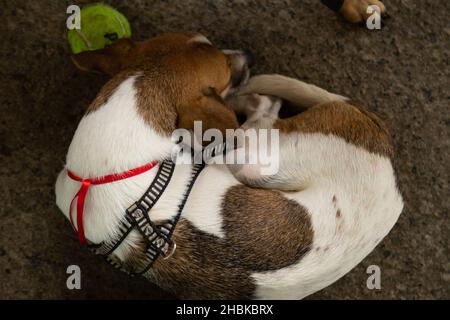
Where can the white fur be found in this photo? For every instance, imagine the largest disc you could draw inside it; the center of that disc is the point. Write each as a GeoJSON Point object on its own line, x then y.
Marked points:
{"type": "Point", "coordinates": [112, 139]}
{"type": "Point", "coordinates": [323, 167]}
{"type": "Point", "coordinates": [115, 138]}
{"type": "Point", "coordinates": [200, 39]}
{"type": "Point", "coordinates": [203, 209]}
{"type": "Point", "coordinates": [366, 196]}
{"type": "Point", "coordinates": [301, 93]}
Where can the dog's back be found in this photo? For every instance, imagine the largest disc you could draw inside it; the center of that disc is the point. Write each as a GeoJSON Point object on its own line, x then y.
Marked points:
{"type": "Point", "coordinates": [332, 201]}
{"type": "Point", "coordinates": [336, 163]}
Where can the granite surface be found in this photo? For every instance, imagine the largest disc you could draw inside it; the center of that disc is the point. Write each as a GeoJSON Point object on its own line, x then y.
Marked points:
{"type": "Point", "coordinates": [402, 72]}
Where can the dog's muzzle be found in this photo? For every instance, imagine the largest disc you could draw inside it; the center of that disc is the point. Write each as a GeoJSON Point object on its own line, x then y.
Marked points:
{"type": "Point", "coordinates": [240, 61]}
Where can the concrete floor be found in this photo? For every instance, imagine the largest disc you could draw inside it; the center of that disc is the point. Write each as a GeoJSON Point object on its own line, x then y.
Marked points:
{"type": "Point", "coordinates": [402, 72]}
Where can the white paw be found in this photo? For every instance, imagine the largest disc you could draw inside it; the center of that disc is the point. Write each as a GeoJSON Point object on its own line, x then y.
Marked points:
{"type": "Point", "coordinates": [257, 107]}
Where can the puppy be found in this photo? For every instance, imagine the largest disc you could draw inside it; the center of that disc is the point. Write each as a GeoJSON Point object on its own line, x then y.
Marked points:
{"type": "Point", "coordinates": [331, 203]}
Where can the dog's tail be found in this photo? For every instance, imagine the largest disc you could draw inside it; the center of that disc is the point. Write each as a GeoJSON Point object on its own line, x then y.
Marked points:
{"type": "Point", "coordinates": [295, 91]}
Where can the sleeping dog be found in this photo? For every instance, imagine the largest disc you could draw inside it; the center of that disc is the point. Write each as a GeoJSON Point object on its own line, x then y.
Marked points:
{"type": "Point", "coordinates": [221, 233]}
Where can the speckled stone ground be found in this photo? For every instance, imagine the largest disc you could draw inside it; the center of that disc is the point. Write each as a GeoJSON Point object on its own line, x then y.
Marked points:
{"type": "Point", "coordinates": [401, 71]}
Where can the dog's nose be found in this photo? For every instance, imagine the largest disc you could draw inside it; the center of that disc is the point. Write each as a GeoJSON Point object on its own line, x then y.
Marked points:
{"type": "Point", "coordinates": [240, 61]}
{"type": "Point", "coordinates": [240, 57]}
{"type": "Point", "coordinates": [249, 58]}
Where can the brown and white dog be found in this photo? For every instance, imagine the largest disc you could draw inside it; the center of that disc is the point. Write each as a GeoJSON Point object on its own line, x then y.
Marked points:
{"type": "Point", "coordinates": [333, 200]}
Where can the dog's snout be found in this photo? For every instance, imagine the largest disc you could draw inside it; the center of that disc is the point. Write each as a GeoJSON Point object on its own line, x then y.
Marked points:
{"type": "Point", "coordinates": [240, 62]}
{"type": "Point", "coordinates": [249, 58]}
{"type": "Point", "coordinates": [240, 57]}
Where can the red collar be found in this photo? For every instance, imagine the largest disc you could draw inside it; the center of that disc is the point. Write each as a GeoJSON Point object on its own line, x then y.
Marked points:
{"type": "Point", "coordinates": [86, 183]}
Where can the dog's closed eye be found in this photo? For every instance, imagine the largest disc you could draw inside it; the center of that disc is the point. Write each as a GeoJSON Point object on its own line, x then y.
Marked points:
{"type": "Point", "coordinates": [211, 92]}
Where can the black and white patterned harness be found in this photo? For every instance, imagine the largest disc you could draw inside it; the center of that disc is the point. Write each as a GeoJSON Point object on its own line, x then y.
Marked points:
{"type": "Point", "coordinates": [157, 237]}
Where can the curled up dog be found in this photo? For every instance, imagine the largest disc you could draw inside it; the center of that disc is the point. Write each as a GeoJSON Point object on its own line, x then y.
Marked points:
{"type": "Point", "coordinates": [224, 231]}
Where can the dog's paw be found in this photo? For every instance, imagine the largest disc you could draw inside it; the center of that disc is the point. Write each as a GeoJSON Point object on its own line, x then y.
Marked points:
{"type": "Point", "coordinates": [256, 107]}
{"type": "Point", "coordinates": [355, 11]}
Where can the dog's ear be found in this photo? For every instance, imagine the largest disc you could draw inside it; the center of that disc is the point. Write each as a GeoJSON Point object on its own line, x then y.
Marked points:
{"type": "Point", "coordinates": [211, 110]}
{"type": "Point", "coordinates": [109, 60]}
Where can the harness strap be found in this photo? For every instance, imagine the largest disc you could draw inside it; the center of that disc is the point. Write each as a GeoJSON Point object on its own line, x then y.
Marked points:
{"type": "Point", "coordinates": [169, 227]}
{"type": "Point", "coordinates": [86, 184]}
{"type": "Point", "coordinates": [139, 211]}
{"type": "Point", "coordinates": [157, 237]}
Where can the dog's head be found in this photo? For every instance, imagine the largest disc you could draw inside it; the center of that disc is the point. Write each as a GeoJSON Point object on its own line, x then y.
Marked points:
{"type": "Point", "coordinates": [180, 78]}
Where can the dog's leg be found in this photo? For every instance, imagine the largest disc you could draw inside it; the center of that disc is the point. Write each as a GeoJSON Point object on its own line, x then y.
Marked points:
{"type": "Point", "coordinates": [260, 101]}
{"type": "Point", "coordinates": [301, 155]}
{"type": "Point", "coordinates": [298, 92]}
{"type": "Point", "coordinates": [261, 112]}
{"type": "Point", "coordinates": [279, 163]}
{"type": "Point", "coordinates": [286, 156]}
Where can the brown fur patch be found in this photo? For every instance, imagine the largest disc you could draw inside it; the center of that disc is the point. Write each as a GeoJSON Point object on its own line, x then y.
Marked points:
{"type": "Point", "coordinates": [107, 91]}
{"type": "Point", "coordinates": [204, 266]}
{"type": "Point", "coordinates": [136, 256]}
{"type": "Point", "coordinates": [346, 120]}
{"type": "Point", "coordinates": [154, 106]}
{"type": "Point", "coordinates": [179, 81]}
{"type": "Point", "coordinates": [151, 103]}
{"type": "Point", "coordinates": [269, 231]}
